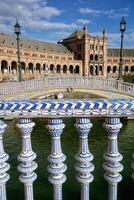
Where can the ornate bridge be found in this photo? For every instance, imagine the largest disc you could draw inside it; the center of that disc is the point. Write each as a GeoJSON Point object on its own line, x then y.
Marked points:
{"type": "Point", "coordinates": [52, 83]}
{"type": "Point", "coordinates": [55, 111]}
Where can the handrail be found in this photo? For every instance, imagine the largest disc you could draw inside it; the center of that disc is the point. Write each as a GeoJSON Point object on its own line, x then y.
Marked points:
{"type": "Point", "coordinates": [54, 111]}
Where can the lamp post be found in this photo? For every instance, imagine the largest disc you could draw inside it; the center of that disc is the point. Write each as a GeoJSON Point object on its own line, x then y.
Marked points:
{"type": "Point", "coordinates": [17, 31]}
{"type": "Point", "coordinates": [122, 29]}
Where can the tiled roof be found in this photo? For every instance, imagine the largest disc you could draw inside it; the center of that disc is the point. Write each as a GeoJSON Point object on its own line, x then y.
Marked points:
{"type": "Point", "coordinates": [34, 45]}
{"type": "Point", "coordinates": [116, 52]}
{"type": "Point", "coordinates": [77, 33]}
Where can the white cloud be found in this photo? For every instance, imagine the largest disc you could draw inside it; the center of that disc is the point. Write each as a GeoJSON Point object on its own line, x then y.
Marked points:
{"type": "Point", "coordinates": [110, 13]}
{"type": "Point", "coordinates": [33, 15]}
{"type": "Point", "coordinates": [83, 21]}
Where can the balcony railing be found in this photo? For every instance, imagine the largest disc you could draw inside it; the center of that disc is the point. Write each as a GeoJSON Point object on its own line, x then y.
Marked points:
{"type": "Point", "coordinates": [55, 112]}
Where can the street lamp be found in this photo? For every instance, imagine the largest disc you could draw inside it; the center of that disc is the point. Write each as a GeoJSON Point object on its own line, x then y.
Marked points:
{"type": "Point", "coordinates": [17, 31]}
{"type": "Point", "coordinates": [122, 29]}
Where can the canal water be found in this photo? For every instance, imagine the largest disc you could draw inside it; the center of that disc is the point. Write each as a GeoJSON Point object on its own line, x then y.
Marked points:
{"type": "Point", "coordinates": [41, 144]}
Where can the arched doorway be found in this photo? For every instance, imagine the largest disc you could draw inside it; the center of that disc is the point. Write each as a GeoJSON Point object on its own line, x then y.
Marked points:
{"type": "Point", "coordinates": [4, 66]}
{"type": "Point", "coordinates": [30, 68]}
{"type": "Point", "coordinates": [132, 69]}
{"type": "Point", "coordinates": [108, 70]}
{"type": "Point", "coordinates": [23, 65]}
{"type": "Point", "coordinates": [91, 70]}
{"type": "Point", "coordinates": [13, 67]}
{"type": "Point", "coordinates": [38, 68]}
{"type": "Point", "coordinates": [77, 69]}
{"type": "Point", "coordinates": [71, 69]}
{"type": "Point", "coordinates": [96, 70]}
{"type": "Point", "coordinates": [65, 69]}
{"type": "Point", "coordinates": [51, 68]}
{"type": "Point", "coordinates": [58, 69]}
{"type": "Point", "coordinates": [126, 70]}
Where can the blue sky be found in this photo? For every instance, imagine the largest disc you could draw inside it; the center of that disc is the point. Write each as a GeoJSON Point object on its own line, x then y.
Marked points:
{"type": "Point", "coordinates": [53, 20]}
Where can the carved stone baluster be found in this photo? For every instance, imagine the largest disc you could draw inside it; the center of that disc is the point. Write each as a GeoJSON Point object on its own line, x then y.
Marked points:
{"type": "Point", "coordinates": [84, 167]}
{"type": "Point", "coordinates": [56, 158]}
{"type": "Point", "coordinates": [26, 157]}
{"type": "Point", "coordinates": [112, 156]}
{"type": "Point", "coordinates": [4, 177]}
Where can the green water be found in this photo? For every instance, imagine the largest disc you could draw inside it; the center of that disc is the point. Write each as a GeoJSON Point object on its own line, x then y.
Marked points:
{"type": "Point", "coordinates": [41, 144]}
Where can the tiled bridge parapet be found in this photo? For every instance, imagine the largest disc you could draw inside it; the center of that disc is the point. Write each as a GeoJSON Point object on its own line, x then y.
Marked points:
{"type": "Point", "coordinates": [58, 82]}
{"type": "Point", "coordinates": [55, 112]}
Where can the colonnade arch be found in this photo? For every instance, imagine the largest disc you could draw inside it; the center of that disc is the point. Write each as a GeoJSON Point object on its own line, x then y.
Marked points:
{"type": "Point", "coordinates": [13, 67]}
{"type": "Point", "coordinates": [30, 68]}
{"type": "Point", "coordinates": [65, 69]}
{"type": "Point", "coordinates": [4, 66]}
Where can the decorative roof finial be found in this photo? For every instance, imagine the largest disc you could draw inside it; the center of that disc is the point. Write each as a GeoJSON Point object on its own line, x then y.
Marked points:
{"type": "Point", "coordinates": [85, 29]}
{"type": "Point", "coordinates": [104, 33]}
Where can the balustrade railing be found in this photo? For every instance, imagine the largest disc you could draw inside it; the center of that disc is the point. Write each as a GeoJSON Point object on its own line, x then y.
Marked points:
{"type": "Point", "coordinates": [55, 112]}
{"type": "Point", "coordinates": [64, 82]}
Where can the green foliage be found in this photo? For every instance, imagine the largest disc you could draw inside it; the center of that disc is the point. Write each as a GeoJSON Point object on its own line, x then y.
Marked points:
{"type": "Point", "coordinates": [129, 78]}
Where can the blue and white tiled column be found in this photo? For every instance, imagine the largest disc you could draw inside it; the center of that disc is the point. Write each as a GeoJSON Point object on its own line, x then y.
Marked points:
{"type": "Point", "coordinates": [56, 158]}
{"type": "Point", "coordinates": [112, 156]}
{"type": "Point", "coordinates": [26, 157]}
{"type": "Point", "coordinates": [84, 167]}
{"type": "Point", "coordinates": [4, 177]}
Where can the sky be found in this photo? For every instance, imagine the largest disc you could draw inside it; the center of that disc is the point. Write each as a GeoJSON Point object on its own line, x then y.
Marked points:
{"type": "Point", "coordinates": [53, 20]}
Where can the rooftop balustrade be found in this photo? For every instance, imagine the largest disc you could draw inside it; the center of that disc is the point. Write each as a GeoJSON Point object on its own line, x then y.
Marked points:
{"type": "Point", "coordinates": [55, 112]}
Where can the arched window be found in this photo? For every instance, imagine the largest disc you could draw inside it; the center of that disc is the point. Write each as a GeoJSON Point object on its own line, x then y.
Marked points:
{"type": "Point", "coordinates": [96, 57]}
{"type": "Point", "coordinates": [100, 68]}
{"type": "Point", "coordinates": [114, 69]}
{"type": "Point", "coordinates": [91, 57]}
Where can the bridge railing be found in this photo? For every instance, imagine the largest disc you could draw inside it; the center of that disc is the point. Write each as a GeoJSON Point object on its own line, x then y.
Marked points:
{"type": "Point", "coordinates": [65, 82]}
{"type": "Point", "coordinates": [55, 112]}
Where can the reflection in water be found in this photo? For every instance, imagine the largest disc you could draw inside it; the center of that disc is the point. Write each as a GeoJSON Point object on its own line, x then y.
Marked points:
{"type": "Point", "coordinates": [71, 189]}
